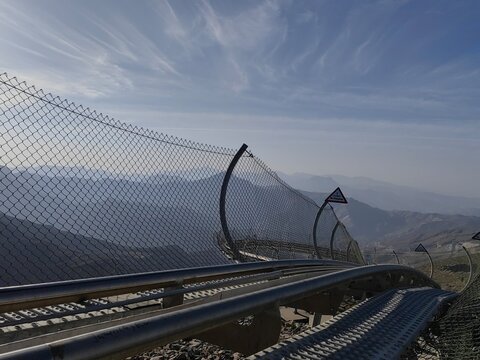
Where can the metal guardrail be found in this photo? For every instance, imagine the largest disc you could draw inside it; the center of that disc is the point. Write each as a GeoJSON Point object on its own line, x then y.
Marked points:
{"type": "Point", "coordinates": [125, 340]}
{"type": "Point", "coordinates": [26, 328]}
{"type": "Point", "coordinates": [27, 296]}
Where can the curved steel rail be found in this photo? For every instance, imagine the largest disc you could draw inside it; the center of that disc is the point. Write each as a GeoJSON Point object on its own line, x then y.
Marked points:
{"type": "Point", "coordinates": [36, 295]}
{"type": "Point", "coordinates": [315, 225]}
{"type": "Point", "coordinates": [431, 263]}
{"type": "Point", "coordinates": [124, 340]}
{"type": "Point", "coordinates": [396, 256]}
{"type": "Point", "coordinates": [470, 264]}
{"type": "Point", "coordinates": [332, 239]}
{"type": "Point", "coordinates": [223, 194]}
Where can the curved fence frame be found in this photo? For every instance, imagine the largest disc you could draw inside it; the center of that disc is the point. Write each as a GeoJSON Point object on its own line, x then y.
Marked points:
{"type": "Point", "coordinates": [223, 195]}
{"type": "Point", "coordinates": [315, 225]}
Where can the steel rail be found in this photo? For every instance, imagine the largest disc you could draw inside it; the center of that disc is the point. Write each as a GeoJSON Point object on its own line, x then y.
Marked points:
{"type": "Point", "coordinates": [470, 264]}
{"type": "Point", "coordinates": [332, 239]}
{"type": "Point", "coordinates": [158, 295]}
{"type": "Point", "coordinates": [17, 340]}
{"type": "Point", "coordinates": [37, 295]}
{"type": "Point", "coordinates": [314, 231]}
{"type": "Point", "coordinates": [212, 285]}
{"type": "Point", "coordinates": [125, 340]}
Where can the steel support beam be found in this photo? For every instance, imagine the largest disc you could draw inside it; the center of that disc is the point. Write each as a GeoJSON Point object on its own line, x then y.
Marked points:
{"type": "Point", "coordinates": [315, 224]}
{"type": "Point", "coordinates": [332, 238]}
{"type": "Point", "coordinates": [396, 256]}
{"type": "Point", "coordinates": [470, 263]}
{"type": "Point", "coordinates": [223, 194]}
{"type": "Point", "coordinates": [37, 295]}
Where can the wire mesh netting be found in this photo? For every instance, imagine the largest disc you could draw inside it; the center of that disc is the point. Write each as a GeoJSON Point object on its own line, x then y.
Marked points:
{"type": "Point", "coordinates": [417, 260]}
{"type": "Point", "coordinates": [385, 257]}
{"type": "Point", "coordinates": [344, 247]}
{"type": "Point", "coordinates": [451, 268]}
{"type": "Point", "coordinates": [266, 217]}
{"type": "Point", "coordinates": [83, 195]}
{"type": "Point", "coordinates": [455, 333]}
{"type": "Point", "coordinates": [269, 219]}
{"type": "Point", "coordinates": [326, 227]}
{"type": "Point", "coordinates": [459, 329]}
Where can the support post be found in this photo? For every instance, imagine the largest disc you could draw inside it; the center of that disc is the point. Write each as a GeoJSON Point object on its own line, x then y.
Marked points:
{"type": "Point", "coordinates": [223, 194]}
{"type": "Point", "coordinates": [332, 238]}
{"type": "Point", "coordinates": [431, 263]}
{"type": "Point", "coordinates": [359, 252]}
{"type": "Point", "coordinates": [396, 257]}
{"type": "Point", "coordinates": [315, 224]}
{"type": "Point", "coordinates": [470, 263]}
{"type": "Point", "coordinates": [421, 248]}
{"type": "Point", "coordinates": [348, 249]}
{"type": "Point", "coordinates": [335, 197]}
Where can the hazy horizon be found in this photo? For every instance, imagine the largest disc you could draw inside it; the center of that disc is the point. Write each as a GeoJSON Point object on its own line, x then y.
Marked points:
{"type": "Point", "coordinates": [381, 89]}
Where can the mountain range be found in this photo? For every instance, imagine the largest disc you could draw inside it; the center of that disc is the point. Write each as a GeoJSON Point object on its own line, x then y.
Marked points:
{"type": "Point", "coordinates": [56, 225]}
{"type": "Point", "coordinates": [386, 196]}
{"type": "Point", "coordinates": [402, 230]}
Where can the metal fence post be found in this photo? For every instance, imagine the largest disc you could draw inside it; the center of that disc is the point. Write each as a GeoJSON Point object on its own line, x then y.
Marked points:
{"type": "Point", "coordinates": [470, 262]}
{"type": "Point", "coordinates": [315, 245]}
{"type": "Point", "coordinates": [421, 248]}
{"type": "Point", "coordinates": [223, 195]}
{"type": "Point", "coordinates": [332, 238]}
{"type": "Point", "coordinates": [396, 257]}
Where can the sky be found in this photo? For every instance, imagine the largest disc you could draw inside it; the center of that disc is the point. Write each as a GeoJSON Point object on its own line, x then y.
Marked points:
{"type": "Point", "coordinates": [384, 89]}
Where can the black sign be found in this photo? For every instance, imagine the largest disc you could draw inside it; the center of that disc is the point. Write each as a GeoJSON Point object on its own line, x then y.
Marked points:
{"type": "Point", "coordinates": [337, 197]}
{"type": "Point", "coordinates": [420, 248]}
{"type": "Point", "coordinates": [476, 236]}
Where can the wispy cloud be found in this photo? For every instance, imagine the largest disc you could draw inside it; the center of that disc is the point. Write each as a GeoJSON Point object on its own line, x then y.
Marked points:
{"type": "Point", "coordinates": [311, 70]}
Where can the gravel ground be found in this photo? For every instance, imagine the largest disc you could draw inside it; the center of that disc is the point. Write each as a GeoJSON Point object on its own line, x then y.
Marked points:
{"type": "Point", "coordinates": [189, 350]}
{"type": "Point", "coordinates": [193, 349]}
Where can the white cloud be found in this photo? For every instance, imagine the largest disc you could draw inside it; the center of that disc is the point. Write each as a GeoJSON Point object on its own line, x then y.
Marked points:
{"type": "Point", "coordinates": [305, 70]}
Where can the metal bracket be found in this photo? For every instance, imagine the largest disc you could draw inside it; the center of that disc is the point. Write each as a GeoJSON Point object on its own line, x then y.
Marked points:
{"type": "Point", "coordinates": [324, 303]}
{"type": "Point", "coordinates": [173, 300]}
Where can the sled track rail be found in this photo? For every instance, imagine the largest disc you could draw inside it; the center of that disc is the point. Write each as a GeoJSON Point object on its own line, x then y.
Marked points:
{"type": "Point", "coordinates": [378, 328]}
{"type": "Point", "coordinates": [194, 301]}
{"type": "Point", "coordinates": [39, 309]}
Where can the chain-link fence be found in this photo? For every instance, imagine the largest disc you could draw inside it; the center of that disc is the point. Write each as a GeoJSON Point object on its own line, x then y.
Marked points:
{"type": "Point", "coordinates": [452, 266]}
{"type": "Point", "coordinates": [458, 331]}
{"type": "Point", "coordinates": [267, 217]}
{"type": "Point", "coordinates": [455, 333]}
{"type": "Point", "coordinates": [326, 228]}
{"type": "Point", "coordinates": [344, 247]}
{"type": "Point", "coordinates": [83, 195]}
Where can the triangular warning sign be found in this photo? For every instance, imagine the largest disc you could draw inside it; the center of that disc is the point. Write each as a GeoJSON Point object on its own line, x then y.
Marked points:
{"type": "Point", "coordinates": [420, 248]}
{"type": "Point", "coordinates": [476, 236]}
{"type": "Point", "coordinates": [337, 197]}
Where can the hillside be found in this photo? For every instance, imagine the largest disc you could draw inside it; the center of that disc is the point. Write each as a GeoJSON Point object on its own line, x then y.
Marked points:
{"type": "Point", "coordinates": [38, 253]}
{"type": "Point", "coordinates": [386, 196]}
{"type": "Point", "coordinates": [401, 229]}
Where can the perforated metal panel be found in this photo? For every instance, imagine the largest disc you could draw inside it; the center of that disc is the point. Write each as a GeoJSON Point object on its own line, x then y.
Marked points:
{"type": "Point", "coordinates": [378, 328]}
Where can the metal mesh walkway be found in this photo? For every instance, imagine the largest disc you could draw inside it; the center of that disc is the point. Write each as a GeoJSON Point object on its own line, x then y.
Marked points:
{"type": "Point", "coordinates": [378, 328]}
{"type": "Point", "coordinates": [454, 335]}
